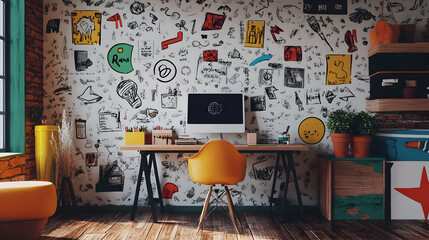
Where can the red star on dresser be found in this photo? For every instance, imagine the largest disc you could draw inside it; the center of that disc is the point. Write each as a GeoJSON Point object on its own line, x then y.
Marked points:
{"type": "Point", "coordinates": [419, 194]}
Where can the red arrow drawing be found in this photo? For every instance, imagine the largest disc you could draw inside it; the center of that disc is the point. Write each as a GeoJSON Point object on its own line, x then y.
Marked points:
{"type": "Point", "coordinates": [165, 44]}
{"type": "Point", "coordinates": [275, 30]}
{"type": "Point", "coordinates": [116, 18]}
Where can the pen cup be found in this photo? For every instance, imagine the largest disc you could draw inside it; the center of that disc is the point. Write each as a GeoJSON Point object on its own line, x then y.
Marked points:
{"type": "Point", "coordinates": [252, 138]}
{"type": "Point", "coordinates": [284, 138]}
{"type": "Point", "coordinates": [134, 138]}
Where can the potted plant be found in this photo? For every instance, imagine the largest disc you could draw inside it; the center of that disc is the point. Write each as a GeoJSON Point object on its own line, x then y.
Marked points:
{"type": "Point", "coordinates": [339, 124]}
{"type": "Point", "coordinates": [364, 126]}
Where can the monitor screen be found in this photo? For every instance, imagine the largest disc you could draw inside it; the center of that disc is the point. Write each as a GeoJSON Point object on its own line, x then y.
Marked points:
{"type": "Point", "coordinates": [215, 112]}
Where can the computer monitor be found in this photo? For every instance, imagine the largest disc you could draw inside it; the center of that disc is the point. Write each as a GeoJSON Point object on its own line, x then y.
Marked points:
{"type": "Point", "coordinates": [215, 113]}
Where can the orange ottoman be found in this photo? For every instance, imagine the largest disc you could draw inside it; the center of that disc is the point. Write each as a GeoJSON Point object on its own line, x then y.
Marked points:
{"type": "Point", "coordinates": [25, 207]}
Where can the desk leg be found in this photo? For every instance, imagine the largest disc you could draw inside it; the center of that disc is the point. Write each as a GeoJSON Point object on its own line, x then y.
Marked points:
{"type": "Point", "coordinates": [274, 181]}
{"type": "Point", "coordinates": [158, 185]}
{"type": "Point", "coordinates": [147, 170]}
{"type": "Point", "coordinates": [284, 200]}
{"type": "Point", "coordinates": [143, 157]}
{"type": "Point", "coordinates": [291, 165]}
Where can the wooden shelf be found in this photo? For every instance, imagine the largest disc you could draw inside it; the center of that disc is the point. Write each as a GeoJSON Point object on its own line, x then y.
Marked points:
{"type": "Point", "coordinates": [398, 105]}
{"type": "Point", "coordinates": [420, 47]}
{"type": "Point", "coordinates": [399, 72]}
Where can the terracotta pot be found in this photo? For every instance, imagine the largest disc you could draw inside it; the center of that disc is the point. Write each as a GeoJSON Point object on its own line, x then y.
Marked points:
{"type": "Point", "coordinates": [361, 146]}
{"type": "Point", "coordinates": [341, 143]}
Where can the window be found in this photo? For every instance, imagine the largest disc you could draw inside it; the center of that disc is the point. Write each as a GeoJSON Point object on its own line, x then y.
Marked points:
{"type": "Point", "coordinates": [3, 74]}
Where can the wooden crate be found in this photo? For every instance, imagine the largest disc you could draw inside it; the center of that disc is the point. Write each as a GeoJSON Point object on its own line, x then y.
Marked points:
{"type": "Point", "coordinates": [162, 137]}
{"type": "Point", "coordinates": [351, 188]}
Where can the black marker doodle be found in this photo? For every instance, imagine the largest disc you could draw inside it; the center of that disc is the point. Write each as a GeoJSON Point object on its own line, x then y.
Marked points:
{"type": "Point", "coordinates": [138, 8]}
{"type": "Point", "coordinates": [81, 60]}
{"type": "Point", "coordinates": [109, 121]}
{"type": "Point", "coordinates": [257, 103]}
{"type": "Point", "coordinates": [69, 2]}
{"type": "Point", "coordinates": [63, 89]}
{"type": "Point", "coordinates": [132, 25]}
{"type": "Point", "coordinates": [174, 15]}
{"type": "Point", "coordinates": [417, 5]}
{"type": "Point", "coordinates": [298, 102]}
{"type": "Point", "coordinates": [275, 65]}
{"type": "Point", "coordinates": [154, 18]}
{"type": "Point", "coordinates": [279, 11]}
{"type": "Point", "coordinates": [80, 128]}
{"type": "Point", "coordinates": [241, 32]}
{"type": "Point", "coordinates": [265, 76]}
{"type": "Point", "coordinates": [224, 8]}
{"type": "Point", "coordinates": [186, 70]}
{"type": "Point", "coordinates": [127, 90]}
{"type": "Point", "coordinates": [324, 112]}
{"type": "Point", "coordinates": [181, 25]}
{"type": "Point", "coordinates": [312, 98]}
{"type": "Point", "coordinates": [169, 100]}
{"type": "Point", "coordinates": [312, 21]}
{"type": "Point", "coordinates": [262, 170]}
{"type": "Point", "coordinates": [235, 54]}
{"type": "Point", "coordinates": [99, 3]}
{"type": "Point", "coordinates": [361, 14]}
{"type": "Point", "coordinates": [330, 96]}
{"type": "Point", "coordinates": [270, 91]}
{"type": "Point", "coordinates": [294, 77]}
{"type": "Point", "coordinates": [88, 96]}
{"type": "Point", "coordinates": [198, 44]}
{"type": "Point", "coordinates": [53, 26]}
{"type": "Point", "coordinates": [111, 178]}
{"type": "Point", "coordinates": [345, 94]}
{"type": "Point", "coordinates": [164, 70]}
{"type": "Point", "coordinates": [193, 26]}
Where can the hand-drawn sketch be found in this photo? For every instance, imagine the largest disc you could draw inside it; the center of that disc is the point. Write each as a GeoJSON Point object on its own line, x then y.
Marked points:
{"type": "Point", "coordinates": [80, 128]}
{"type": "Point", "coordinates": [173, 15]}
{"type": "Point", "coordinates": [312, 21]}
{"type": "Point", "coordinates": [213, 21]}
{"type": "Point", "coordinates": [117, 19]}
{"type": "Point", "coordinates": [294, 77]}
{"type": "Point", "coordinates": [339, 69]}
{"type": "Point", "coordinates": [235, 54]}
{"type": "Point", "coordinates": [275, 30]}
{"type": "Point", "coordinates": [270, 91]}
{"type": "Point", "coordinates": [361, 14]}
{"type": "Point", "coordinates": [89, 96]}
{"type": "Point", "coordinates": [111, 178]}
{"type": "Point", "coordinates": [255, 32]}
{"type": "Point", "coordinates": [53, 26]}
{"type": "Point", "coordinates": [330, 96]}
{"type": "Point", "coordinates": [265, 76]}
{"type": "Point", "coordinates": [181, 25]}
{"type": "Point", "coordinates": [257, 103]}
{"type": "Point", "coordinates": [168, 190]}
{"type": "Point", "coordinates": [81, 60]}
{"type": "Point", "coordinates": [119, 58]}
{"type": "Point", "coordinates": [146, 50]}
{"type": "Point", "coordinates": [293, 53]}
{"type": "Point", "coordinates": [417, 3]}
{"type": "Point", "coordinates": [91, 159]}
{"type": "Point", "coordinates": [350, 40]}
{"type": "Point", "coordinates": [298, 102]}
{"type": "Point", "coordinates": [138, 8]}
{"type": "Point", "coordinates": [325, 7]}
{"type": "Point", "coordinates": [312, 98]}
{"type": "Point", "coordinates": [263, 170]}
{"type": "Point", "coordinates": [109, 121]}
{"type": "Point", "coordinates": [164, 44]}
{"type": "Point", "coordinates": [345, 94]}
{"type": "Point", "coordinates": [210, 55]}
{"type": "Point", "coordinates": [165, 70]}
{"type": "Point", "coordinates": [86, 27]}
{"type": "Point", "coordinates": [127, 89]}
{"type": "Point", "coordinates": [311, 130]}
{"type": "Point", "coordinates": [169, 100]}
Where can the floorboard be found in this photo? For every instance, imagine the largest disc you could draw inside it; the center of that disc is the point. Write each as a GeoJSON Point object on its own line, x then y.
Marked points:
{"type": "Point", "coordinates": [218, 226]}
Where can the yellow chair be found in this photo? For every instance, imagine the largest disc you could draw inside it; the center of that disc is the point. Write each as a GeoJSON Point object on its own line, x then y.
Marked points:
{"type": "Point", "coordinates": [25, 207]}
{"type": "Point", "coordinates": [218, 162]}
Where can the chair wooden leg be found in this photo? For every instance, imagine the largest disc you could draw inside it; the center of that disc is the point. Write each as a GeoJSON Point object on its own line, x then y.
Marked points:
{"type": "Point", "coordinates": [232, 214]}
{"type": "Point", "coordinates": [204, 212]}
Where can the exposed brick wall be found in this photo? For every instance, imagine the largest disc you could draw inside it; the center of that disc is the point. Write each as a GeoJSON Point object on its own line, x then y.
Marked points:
{"type": "Point", "coordinates": [33, 76]}
{"type": "Point", "coordinates": [12, 169]}
{"type": "Point", "coordinates": [416, 120]}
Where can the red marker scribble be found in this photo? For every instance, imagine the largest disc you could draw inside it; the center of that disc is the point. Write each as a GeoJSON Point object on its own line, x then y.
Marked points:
{"type": "Point", "coordinates": [275, 30]}
{"type": "Point", "coordinates": [164, 45]}
{"type": "Point", "coordinates": [116, 18]}
{"type": "Point", "coordinates": [210, 56]}
{"type": "Point", "coordinates": [293, 53]}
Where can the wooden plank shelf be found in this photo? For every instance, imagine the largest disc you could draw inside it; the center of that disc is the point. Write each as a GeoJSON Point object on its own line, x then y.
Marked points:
{"type": "Point", "coordinates": [398, 105]}
{"type": "Point", "coordinates": [399, 72]}
{"type": "Point", "coordinates": [420, 47]}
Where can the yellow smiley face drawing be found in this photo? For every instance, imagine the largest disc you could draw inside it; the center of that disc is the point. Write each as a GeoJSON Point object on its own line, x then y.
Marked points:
{"type": "Point", "coordinates": [311, 130]}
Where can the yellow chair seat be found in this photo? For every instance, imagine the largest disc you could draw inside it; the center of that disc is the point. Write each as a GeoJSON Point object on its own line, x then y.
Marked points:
{"type": "Point", "coordinates": [27, 200]}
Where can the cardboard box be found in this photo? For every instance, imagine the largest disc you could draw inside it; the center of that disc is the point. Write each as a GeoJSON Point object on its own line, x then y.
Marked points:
{"type": "Point", "coordinates": [135, 138]}
{"type": "Point", "coordinates": [252, 138]}
{"type": "Point", "coordinates": [162, 137]}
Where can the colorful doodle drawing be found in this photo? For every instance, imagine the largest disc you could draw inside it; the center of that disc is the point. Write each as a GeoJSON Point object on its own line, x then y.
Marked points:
{"type": "Point", "coordinates": [293, 53]}
{"type": "Point", "coordinates": [117, 19]}
{"type": "Point", "coordinates": [255, 32]}
{"type": "Point", "coordinates": [419, 194]}
{"type": "Point", "coordinates": [164, 44]}
{"type": "Point", "coordinates": [210, 55]}
{"type": "Point", "coordinates": [119, 58]}
{"type": "Point", "coordinates": [213, 21]}
{"type": "Point", "coordinates": [350, 39]}
{"type": "Point", "coordinates": [339, 69]}
{"type": "Point", "coordinates": [311, 130]}
{"type": "Point", "coordinates": [275, 30]}
{"type": "Point", "coordinates": [86, 27]}
{"type": "Point", "coordinates": [91, 159]}
{"type": "Point", "coordinates": [260, 59]}
{"type": "Point", "coordinates": [168, 190]}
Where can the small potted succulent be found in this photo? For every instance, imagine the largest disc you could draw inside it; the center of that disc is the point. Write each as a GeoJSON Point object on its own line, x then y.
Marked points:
{"type": "Point", "coordinates": [364, 126]}
{"type": "Point", "coordinates": [340, 126]}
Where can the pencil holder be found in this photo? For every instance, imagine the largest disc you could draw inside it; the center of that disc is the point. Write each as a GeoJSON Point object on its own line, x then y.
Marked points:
{"type": "Point", "coordinates": [252, 138]}
{"type": "Point", "coordinates": [134, 138]}
{"type": "Point", "coordinates": [162, 137]}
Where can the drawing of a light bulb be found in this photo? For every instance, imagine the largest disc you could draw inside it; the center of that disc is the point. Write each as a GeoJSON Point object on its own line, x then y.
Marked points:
{"type": "Point", "coordinates": [127, 90]}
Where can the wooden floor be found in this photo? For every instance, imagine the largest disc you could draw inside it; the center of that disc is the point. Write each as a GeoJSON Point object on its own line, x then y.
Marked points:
{"type": "Point", "coordinates": [218, 226]}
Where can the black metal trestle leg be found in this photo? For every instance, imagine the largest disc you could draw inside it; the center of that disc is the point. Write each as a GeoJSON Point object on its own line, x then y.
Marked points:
{"type": "Point", "coordinates": [291, 166]}
{"type": "Point", "coordinates": [274, 182]}
{"type": "Point", "coordinates": [143, 156]}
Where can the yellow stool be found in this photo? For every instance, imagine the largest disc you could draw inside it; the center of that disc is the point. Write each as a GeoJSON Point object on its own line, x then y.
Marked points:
{"type": "Point", "coordinates": [25, 207]}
